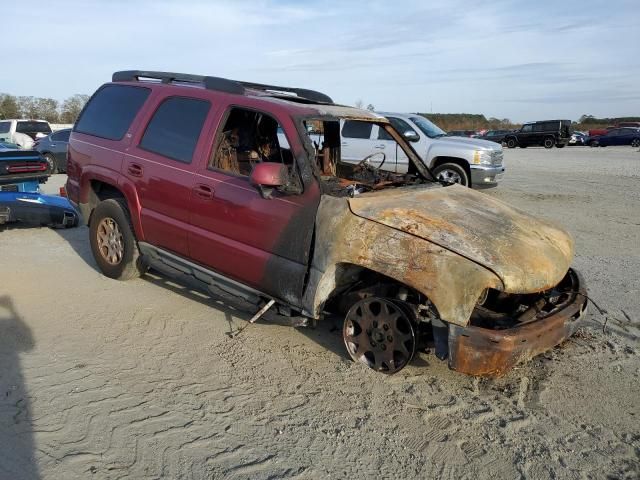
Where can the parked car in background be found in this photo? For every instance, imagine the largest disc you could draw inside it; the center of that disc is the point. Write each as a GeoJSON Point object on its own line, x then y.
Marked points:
{"type": "Point", "coordinates": [546, 133]}
{"type": "Point", "coordinates": [186, 175]}
{"type": "Point", "coordinates": [54, 148]}
{"type": "Point", "coordinates": [469, 162]}
{"type": "Point", "coordinates": [23, 132]}
{"type": "Point", "coordinates": [617, 136]}
{"type": "Point", "coordinates": [461, 133]}
{"type": "Point", "coordinates": [629, 124]}
{"type": "Point", "coordinates": [578, 138]}
{"type": "Point", "coordinates": [495, 135]}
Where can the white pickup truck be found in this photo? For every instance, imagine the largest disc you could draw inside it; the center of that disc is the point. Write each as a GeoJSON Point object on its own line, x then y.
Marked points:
{"type": "Point", "coordinates": [467, 161]}
{"type": "Point", "coordinates": [23, 132]}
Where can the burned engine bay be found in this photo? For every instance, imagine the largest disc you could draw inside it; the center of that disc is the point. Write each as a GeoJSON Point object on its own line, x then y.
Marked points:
{"type": "Point", "coordinates": [373, 172]}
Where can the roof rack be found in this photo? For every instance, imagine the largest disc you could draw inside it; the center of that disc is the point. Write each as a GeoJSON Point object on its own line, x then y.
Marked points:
{"type": "Point", "coordinates": [219, 84]}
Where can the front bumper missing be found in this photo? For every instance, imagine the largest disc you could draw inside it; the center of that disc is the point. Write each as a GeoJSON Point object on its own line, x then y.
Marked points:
{"type": "Point", "coordinates": [482, 351]}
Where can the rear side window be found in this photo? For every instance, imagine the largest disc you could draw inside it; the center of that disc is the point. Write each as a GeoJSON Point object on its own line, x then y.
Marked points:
{"type": "Point", "coordinates": [5, 127]}
{"type": "Point", "coordinates": [61, 136]}
{"type": "Point", "coordinates": [111, 110]}
{"type": "Point", "coordinates": [356, 129]}
{"type": "Point", "coordinates": [175, 127]}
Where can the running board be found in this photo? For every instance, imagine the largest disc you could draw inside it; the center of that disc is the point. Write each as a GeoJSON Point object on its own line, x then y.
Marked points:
{"type": "Point", "coordinates": [219, 285]}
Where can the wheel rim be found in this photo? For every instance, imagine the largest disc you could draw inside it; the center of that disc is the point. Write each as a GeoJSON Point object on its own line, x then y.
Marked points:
{"type": "Point", "coordinates": [450, 176]}
{"type": "Point", "coordinates": [379, 334]}
{"type": "Point", "coordinates": [110, 241]}
{"type": "Point", "coordinates": [548, 143]}
{"type": "Point", "coordinates": [50, 161]}
{"type": "Point", "coordinates": [635, 143]}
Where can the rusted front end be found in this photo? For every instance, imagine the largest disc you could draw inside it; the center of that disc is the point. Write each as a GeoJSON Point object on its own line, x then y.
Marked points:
{"type": "Point", "coordinates": [476, 350]}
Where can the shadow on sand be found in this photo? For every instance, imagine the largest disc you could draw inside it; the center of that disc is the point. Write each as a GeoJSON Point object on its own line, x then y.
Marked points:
{"type": "Point", "coordinates": [17, 454]}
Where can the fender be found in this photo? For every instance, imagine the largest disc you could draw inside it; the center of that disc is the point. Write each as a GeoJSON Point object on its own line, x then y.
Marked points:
{"type": "Point", "coordinates": [89, 199]}
{"type": "Point", "coordinates": [451, 282]}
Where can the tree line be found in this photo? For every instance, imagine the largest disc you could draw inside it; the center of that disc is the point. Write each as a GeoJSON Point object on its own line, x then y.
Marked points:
{"type": "Point", "coordinates": [469, 121]}
{"type": "Point", "coordinates": [48, 109]}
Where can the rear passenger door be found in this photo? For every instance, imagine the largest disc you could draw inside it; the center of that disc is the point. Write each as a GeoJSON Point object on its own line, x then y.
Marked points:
{"type": "Point", "coordinates": [161, 164]}
{"type": "Point", "coordinates": [357, 141]}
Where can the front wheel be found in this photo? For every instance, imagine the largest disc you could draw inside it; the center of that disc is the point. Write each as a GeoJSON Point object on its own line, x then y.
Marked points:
{"type": "Point", "coordinates": [451, 173]}
{"type": "Point", "coordinates": [113, 241]}
{"type": "Point", "coordinates": [635, 142]}
{"type": "Point", "coordinates": [380, 333]}
{"type": "Point", "coordinates": [560, 145]}
{"type": "Point", "coordinates": [593, 143]}
{"type": "Point", "coordinates": [548, 142]}
{"type": "Point", "coordinates": [511, 143]}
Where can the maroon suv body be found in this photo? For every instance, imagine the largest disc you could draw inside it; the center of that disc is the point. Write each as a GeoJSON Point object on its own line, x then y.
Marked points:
{"type": "Point", "coordinates": [221, 184]}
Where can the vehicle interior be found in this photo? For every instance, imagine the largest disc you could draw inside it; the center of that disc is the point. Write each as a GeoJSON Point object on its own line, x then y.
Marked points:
{"type": "Point", "coordinates": [342, 178]}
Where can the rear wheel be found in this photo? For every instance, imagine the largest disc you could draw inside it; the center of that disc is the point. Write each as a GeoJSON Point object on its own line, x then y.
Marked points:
{"type": "Point", "coordinates": [593, 143]}
{"type": "Point", "coordinates": [113, 241]}
{"type": "Point", "coordinates": [451, 173]}
{"type": "Point", "coordinates": [548, 142]}
{"type": "Point", "coordinates": [380, 333]}
{"type": "Point", "coordinates": [511, 143]}
{"type": "Point", "coordinates": [635, 142]}
{"type": "Point", "coordinates": [53, 164]}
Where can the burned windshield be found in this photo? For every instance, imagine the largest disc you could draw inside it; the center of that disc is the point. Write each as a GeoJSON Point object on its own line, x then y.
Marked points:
{"type": "Point", "coordinates": [358, 156]}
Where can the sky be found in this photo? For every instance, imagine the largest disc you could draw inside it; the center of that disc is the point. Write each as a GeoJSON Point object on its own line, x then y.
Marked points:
{"type": "Point", "coordinates": [522, 60]}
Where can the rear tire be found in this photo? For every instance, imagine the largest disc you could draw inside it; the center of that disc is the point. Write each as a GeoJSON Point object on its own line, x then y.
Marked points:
{"type": "Point", "coordinates": [635, 142]}
{"type": "Point", "coordinates": [53, 164]}
{"type": "Point", "coordinates": [511, 143]}
{"type": "Point", "coordinates": [548, 142]}
{"type": "Point", "coordinates": [452, 173]}
{"type": "Point", "coordinates": [113, 240]}
{"type": "Point", "coordinates": [593, 143]}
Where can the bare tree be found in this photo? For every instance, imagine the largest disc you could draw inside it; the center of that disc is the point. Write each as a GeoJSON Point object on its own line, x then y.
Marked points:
{"type": "Point", "coordinates": [370, 107]}
{"type": "Point", "coordinates": [359, 103]}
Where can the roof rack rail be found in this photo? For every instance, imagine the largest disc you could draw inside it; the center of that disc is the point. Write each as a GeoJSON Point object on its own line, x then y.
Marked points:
{"type": "Point", "coordinates": [219, 84]}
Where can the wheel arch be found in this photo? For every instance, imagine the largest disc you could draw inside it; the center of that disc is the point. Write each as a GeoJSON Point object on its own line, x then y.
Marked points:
{"type": "Point", "coordinates": [442, 159]}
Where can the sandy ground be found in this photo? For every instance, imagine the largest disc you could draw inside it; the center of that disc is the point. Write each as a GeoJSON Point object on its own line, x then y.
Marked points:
{"type": "Point", "coordinates": [103, 379]}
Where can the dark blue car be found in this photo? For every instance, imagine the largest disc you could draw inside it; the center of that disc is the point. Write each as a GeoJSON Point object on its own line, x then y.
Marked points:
{"type": "Point", "coordinates": [54, 149]}
{"type": "Point", "coordinates": [617, 136]}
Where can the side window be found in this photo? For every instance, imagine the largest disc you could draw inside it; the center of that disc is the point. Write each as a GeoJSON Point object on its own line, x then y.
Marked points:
{"type": "Point", "coordinates": [247, 138]}
{"type": "Point", "coordinates": [111, 110]}
{"type": "Point", "coordinates": [5, 127]}
{"type": "Point", "coordinates": [356, 129]}
{"type": "Point", "coordinates": [175, 127]}
{"type": "Point", "coordinates": [538, 127]}
{"type": "Point", "coordinates": [61, 136]}
{"type": "Point", "coordinates": [527, 128]}
{"type": "Point", "coordinates": [400, 125]}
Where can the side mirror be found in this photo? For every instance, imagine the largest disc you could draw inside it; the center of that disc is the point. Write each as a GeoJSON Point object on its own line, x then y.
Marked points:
{"type": "Point", "coordinates": [268, 175]}
{"type": "Point", "coordinates": [411, 136]}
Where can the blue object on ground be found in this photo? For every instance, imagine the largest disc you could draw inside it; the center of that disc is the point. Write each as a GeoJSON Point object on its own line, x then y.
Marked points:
{"type": "Point", "coordinates": [37, 209]}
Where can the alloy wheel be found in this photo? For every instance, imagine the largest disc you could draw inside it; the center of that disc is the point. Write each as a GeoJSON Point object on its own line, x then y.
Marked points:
{"type": "Point", "coordinates": [110, 241]}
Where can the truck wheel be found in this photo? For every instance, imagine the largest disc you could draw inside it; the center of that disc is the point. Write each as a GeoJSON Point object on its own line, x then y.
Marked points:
{"type": "Point", "coordinates": [451, 173]}
{"type": "Point", "coordinates": [511, 143]}
{"type": "Point", "coordinates": [548, 142]}
{"type": "Point", "coordinates": [380, 333]}
{"type": "Point", "coordinates": [593, 143]}
{"type": "Point", "coordinates": [53, 165]}
{"type": "Point", "coordinates": [113, 242]}
{"type": "Point", "coordinates": [560, 145]}
{"type": "Point", "coordinates": [635, 142]}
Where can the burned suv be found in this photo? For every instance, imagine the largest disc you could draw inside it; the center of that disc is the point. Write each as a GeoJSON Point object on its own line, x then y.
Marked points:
{"type": "Point", "coordinates": [192, 176]}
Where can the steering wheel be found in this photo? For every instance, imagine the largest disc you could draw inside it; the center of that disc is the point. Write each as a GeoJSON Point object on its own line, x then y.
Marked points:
{"type": "Point", "coordinates": [366, 163]}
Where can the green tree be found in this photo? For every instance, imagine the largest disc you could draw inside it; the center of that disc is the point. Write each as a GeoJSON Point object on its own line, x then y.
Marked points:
{"type": "Point", "coordinates": [72, 107]}
{"type": "Point", "coordinates": [8, 106]}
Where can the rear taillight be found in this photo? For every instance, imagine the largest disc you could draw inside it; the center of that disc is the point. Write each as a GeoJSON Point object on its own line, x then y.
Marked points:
{"type": "Point", "coordinates": [27, 167]}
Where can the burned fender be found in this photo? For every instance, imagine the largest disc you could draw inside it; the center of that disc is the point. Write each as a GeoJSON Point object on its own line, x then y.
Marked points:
{"type": "Point", "coordinates": [450, 281]}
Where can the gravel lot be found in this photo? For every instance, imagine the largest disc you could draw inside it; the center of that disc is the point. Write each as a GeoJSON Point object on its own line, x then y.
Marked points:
{"type": "Point", "coordinates": [105, 379]}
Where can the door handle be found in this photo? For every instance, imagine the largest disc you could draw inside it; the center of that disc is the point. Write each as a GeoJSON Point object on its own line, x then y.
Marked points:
{"type": "Point", "coordinates": [135, 170]}
{"type": "Point", "coordinates": [203, 191]}
{"type": "Point", "coordinates": [344, 144]}
{"type": "Point", "coordinates": [381, 147]}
